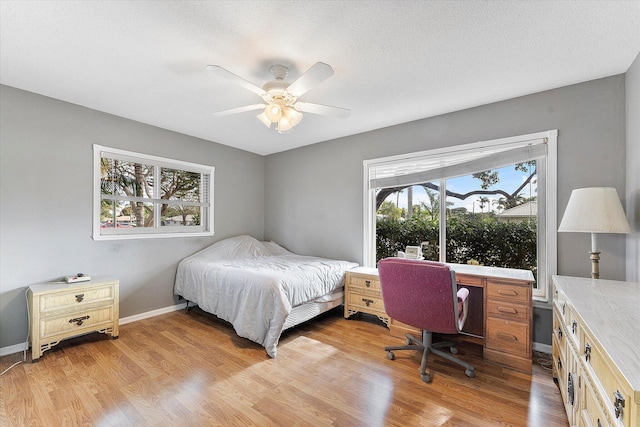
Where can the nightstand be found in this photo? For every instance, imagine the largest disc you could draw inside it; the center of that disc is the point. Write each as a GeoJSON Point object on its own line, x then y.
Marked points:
{"type": "Point", "coordinates": [63, 310]}
{"type": "Point", "coordinates": [362, 293]}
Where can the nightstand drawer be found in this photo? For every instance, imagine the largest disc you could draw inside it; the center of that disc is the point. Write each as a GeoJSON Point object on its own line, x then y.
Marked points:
{"type": "Point", "coordinates": [364, 283]}
{"type": "Point", "coordinates": [366, 303]}
{"type": "Point", "coordinates": [508, 291]}
{"type": "Point", "coordinates": [508, 336]}
{"type": "Point", "coordinates": [507, 310]}
{"type": "Point", "coordinates": [76, 323]}
{"type": "Point", "coordinates": [76, 297]}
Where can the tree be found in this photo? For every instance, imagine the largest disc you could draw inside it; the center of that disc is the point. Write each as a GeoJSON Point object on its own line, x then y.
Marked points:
{"type": "Point", "coordinates": [390, 210]}
{"type": "Point", "coordinates": [487, 179]}
{"type": "Point", "coordinates": [136, 180]}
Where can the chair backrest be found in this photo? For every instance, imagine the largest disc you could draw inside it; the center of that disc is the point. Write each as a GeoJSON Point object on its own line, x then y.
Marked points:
{"type": "Point", "coordinates": [420, 293]}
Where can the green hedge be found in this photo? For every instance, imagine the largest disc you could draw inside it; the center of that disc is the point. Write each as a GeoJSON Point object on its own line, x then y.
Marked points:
{"type": "Point", "coordinates": [484, 239]}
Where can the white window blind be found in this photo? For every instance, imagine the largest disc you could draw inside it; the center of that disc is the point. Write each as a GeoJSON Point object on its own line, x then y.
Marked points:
{"type": "Point", "coordinates": [425, 167]}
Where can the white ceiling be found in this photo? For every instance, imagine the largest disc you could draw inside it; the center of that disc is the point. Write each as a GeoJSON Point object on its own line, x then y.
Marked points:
{"type": "Point", "coordinates": [394, 61]}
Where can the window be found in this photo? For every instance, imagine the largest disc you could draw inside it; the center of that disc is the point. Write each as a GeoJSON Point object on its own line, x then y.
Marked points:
{"type": "Point", "coordinates": [444, 176]}
{"type": "Point", "coordinates": [142, 196]}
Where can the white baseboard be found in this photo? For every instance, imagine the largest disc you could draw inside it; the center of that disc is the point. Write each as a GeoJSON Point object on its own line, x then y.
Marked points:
{"type": "Point", "coordinates": [152, 313]}
{"type": "Point", "coordinates": [4, 351]}
{"type": "Point", "coordinates": [542, 348]}
{"type": "Point", "coordinates": [14, 349]}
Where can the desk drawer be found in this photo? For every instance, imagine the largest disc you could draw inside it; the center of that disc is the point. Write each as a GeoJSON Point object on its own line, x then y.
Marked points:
{"type": "Point", "coordinates": [497, 290]}
{"type": "Point", "coordinates": [508, 336]}
{"type": "Point", "coordinates": [507, 310]}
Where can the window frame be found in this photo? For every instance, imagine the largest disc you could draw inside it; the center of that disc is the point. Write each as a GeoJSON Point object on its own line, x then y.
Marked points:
{"type": "Point", "coordinates": [157, 230]}
{"type": "Point", "coordinates": [547, 210]}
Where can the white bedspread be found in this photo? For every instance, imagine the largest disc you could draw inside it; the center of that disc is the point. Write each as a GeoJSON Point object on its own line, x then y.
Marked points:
{"type": "Point", "coordinates": [253, 284]}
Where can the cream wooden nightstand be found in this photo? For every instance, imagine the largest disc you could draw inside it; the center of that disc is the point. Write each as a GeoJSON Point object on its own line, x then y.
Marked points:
{"type": "Point", "coordinates": [362, 293]}
{"type": "Point", "coordinates": [59, 310]}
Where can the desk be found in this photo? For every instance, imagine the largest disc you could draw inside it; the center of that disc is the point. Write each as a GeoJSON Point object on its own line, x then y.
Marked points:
{"type": "Point", "coordinates": [500, 309]}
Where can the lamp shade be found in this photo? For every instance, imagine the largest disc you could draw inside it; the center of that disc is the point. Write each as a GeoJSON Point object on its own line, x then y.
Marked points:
{"type": "Point", "coordinates": [594, 210]}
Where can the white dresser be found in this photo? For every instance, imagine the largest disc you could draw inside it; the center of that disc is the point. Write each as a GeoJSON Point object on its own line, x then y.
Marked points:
{"type": "Point", "coordinates": [596, 350]}
{"type": "Point", "coordinates": [62, 310]}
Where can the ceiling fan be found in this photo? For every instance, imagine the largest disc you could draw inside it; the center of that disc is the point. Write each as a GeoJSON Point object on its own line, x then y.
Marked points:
{"type": "Point", "coordinates": [280, 99]}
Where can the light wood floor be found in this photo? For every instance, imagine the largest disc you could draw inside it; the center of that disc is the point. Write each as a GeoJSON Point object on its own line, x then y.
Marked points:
{"type": "Point", "coordinates": [190, 369]}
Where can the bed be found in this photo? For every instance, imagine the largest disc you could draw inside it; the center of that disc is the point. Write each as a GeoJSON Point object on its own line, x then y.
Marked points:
{"type": "Point", "coordinates": [260, 287]}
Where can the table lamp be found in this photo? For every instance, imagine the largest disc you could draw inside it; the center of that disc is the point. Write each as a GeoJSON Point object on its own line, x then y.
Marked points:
{"type": "Point", "coordinates": [594, 210]}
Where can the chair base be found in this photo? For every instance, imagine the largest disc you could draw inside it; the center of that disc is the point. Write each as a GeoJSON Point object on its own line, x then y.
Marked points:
{"type": "Point", "coordinates": [427, 346]}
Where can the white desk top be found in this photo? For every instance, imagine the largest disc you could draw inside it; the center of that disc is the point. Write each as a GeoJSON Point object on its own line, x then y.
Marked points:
{"type": "Point", "coordinates": [611, 311]}
{"type": "Point", "coordinates": [475, 270]}
{"type": "Point", "coordinates": [494, 272]}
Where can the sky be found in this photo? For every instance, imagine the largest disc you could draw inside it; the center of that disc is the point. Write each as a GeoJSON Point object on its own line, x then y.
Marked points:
{"type": "Point", "coordinates": [510, 180]}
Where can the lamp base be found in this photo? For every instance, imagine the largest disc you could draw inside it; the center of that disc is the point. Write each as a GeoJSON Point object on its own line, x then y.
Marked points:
{"type": "Point", "coordinates": [595, 265]}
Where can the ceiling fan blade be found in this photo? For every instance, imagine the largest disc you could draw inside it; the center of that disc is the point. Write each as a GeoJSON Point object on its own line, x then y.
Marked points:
{"type": "Point", "coordinates": [239, 110]}
{"type": "Point", "coordinates": [314, 75]}
{"type": "Point", "coordinates": [324, 110]}
{"type": "Point", "coordinates": [236, 79]}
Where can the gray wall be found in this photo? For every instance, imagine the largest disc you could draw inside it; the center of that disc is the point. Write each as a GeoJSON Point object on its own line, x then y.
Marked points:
{"type": "Point", "coordinates": [314, 194]}
{"type": "Point", "coordinates": [632, 86]}
{"type": "Point", "coordinates": [46, 163]}
{"type": "Point", "coordinates": [309, 199]}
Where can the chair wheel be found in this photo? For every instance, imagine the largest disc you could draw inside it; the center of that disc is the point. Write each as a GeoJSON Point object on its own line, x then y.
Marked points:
{"type": "Point", "coordinates": [390, 355]}
{"type": "Point", "coordinates": [453, 350]}
{"type": "Point", "coordinates": [426, 378]}
{"type": "Point", "coordinates": [470, 373]}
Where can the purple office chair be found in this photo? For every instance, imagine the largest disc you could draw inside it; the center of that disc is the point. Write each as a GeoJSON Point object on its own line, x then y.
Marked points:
{"type": "Point", "coordinates": [424, 294]}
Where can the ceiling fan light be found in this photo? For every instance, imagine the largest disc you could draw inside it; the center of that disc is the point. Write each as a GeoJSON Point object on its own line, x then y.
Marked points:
{"type": "Point", "coordinates": [273, 112]}
{"type": "Point", "coordinates": [284, 124]}
{"type": "Point", "coordinates": [293, 115]}
{"type": "Point", "coordinates": [264, 119]}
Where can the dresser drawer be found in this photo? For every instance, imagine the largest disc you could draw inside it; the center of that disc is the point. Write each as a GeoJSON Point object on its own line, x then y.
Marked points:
{"type": "Point", "coordinates": [592, 413]}
{"type": "Point", "coordinates": [366, 303]}
{"type": "Point", "coordinates": [497, 290]}
{"type": "Point", "coordinates": [364, 283]}
{"type": "Point", "coordinates": [508, 310]}
{"type": "Point", "coordinates": [508, 336]}
{"type": "Point", "coordinates": [601, 370]}
{"type": "Point", "coordinates": [76, 323]}
{"type": "Point", "coordinates": [77, 297]}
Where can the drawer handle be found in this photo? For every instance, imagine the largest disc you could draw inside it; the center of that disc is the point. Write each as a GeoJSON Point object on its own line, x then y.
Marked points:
{"type": "Point", "coordinates": [570, 388]}
{"type": "Point", "coordinates": [574, 327]}
{"type": "Point", "coordinates": [563, 307]}
{"type": "Point", "coordinates": [507, 337]}
{"type": "Point", "coordinates": [559, 333]}
{"type": "Point", "coordinates": [587, 352]}
{"type": "Point", "coordinates": [367, 301]}
{"type": "Point", "coordinates": [559, 363]}
{"type": "Point", "coordinates": [508, 292]}
{"type": "Point", "coordinates": [79, 297]}
{"type": "Point", "coordinates": [599, 423]}
{"type": "Point", "coordinates": [507, 310]}
{"type": "Point", "coordinates": [78, 320]}
{"type": "Point", "coordinates": [618, 404]}
{"type": "Point", "coordinates": [367, 283]}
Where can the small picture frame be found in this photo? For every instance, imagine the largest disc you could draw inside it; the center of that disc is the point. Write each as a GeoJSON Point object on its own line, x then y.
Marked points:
{"type": "Point", "coordinates": [413, 252]}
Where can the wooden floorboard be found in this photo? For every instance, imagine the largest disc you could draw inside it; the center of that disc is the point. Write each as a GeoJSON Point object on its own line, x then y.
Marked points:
{"type": "Point", "coordinates": [191, 369]}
